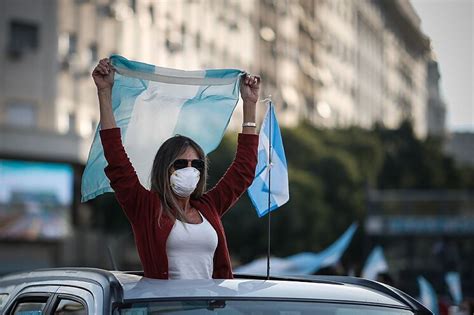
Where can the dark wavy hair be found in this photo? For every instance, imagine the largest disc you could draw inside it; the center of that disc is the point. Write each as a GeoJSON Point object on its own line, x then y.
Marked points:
{"type": "Point", "coordinates": [161, 171]}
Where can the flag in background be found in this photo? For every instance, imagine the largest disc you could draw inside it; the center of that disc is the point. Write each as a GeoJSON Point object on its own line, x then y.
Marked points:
{"type": "Point", "coordinates": [309, 263]}
{"type": "Point", "coordinates": [152, 104]}
{"type": "Point", "coordinates": [428, 295]}
{"type": "Point", "coordinates": [303, 263]}
{"type": "Point", "coordinates": [453, 280]}
{"type": "Point", "coordinates": [259, 190]}
{"type": "Point", "coordinates": [375, 264]}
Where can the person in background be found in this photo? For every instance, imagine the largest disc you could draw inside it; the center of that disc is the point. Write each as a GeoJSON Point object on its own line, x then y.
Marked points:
{"type": "Point", "coordinates": [177, 223]}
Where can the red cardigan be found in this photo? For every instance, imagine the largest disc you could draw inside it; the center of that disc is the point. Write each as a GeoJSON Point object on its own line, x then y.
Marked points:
{"type": "Point", "coordinates": [142, 206]}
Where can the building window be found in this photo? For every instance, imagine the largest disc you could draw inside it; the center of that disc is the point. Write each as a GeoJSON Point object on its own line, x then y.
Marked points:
{"type": "Point", "coordinates": [72, 122]}
{"type": "Point", "coordinates": [72, 44]}
{"type": "Point", "coordinates": [93, 53]}
{"type": "Point", "coordinates": [21, 115]}
{"type": "Point", "coordinates": [198, 40]}
{"type": "Point", "coordinates": [133, 5]}
{"type": "Point", "coordinates": [67, 47]}
{"type": "Point", "coordinates": [67, 44]}
{"type": "Point", "coordinates": [151, 11]}
{"type": "Point", "coordinates": [86, 126]}
{"type": "Point", "coordinates": [23, 37]}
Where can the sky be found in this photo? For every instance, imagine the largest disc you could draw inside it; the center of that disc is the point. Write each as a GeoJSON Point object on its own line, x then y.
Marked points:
{"type": "Point", "coordinates": [449, 24]}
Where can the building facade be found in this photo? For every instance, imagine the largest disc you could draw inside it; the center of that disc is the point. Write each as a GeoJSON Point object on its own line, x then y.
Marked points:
{"type": "Point", "coordinates": [333, 63]}
{"type": "Point", "coordinates": [436, 109]}
{"type": "Point", "coordinates": [47, 98]}
{"type": "Point", "coordinates": [371, 59]}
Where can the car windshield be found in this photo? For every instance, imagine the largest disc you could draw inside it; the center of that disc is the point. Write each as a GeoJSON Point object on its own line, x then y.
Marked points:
{"type": "Point", "coordinates": [253, 307]}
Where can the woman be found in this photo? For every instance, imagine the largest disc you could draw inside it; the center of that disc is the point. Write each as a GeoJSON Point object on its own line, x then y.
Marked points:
{"type": "Point", "coordinates": [177, 225]}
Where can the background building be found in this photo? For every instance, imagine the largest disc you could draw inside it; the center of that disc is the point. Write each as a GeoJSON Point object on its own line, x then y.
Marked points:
{"type": "Point", "coordinates": [334, 63]}
{"type": "Point", "coordinates": [436, 109]}
{"type": "Point", "coordinates": [461, 146]}
{"type": "Point", "coordinates": [424, 232]}
{"type": "Point", "coordinates": [371, 61]}
{"type": "Point", "coordinates": [48, 102]}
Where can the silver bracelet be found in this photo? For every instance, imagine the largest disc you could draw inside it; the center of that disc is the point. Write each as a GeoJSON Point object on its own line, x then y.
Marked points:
{"type": "Point", "coordinates": [249, 124]}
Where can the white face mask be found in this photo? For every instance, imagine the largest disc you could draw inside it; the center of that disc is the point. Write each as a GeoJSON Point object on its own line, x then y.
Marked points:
{"type": "Point", "coordinates": [184, 181]}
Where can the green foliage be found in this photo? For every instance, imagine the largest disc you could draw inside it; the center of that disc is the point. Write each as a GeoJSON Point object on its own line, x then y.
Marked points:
{"type": "Point", "coordinates": [329, 172]}
{"type": "Point", "coordinates": [410, 163]}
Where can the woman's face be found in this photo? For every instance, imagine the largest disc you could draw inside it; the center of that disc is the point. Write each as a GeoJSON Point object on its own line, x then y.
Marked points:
{"type": "Point", "coordinates": [190, 154]}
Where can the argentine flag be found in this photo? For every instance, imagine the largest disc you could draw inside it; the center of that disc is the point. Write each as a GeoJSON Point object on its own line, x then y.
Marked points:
{"type": "Point", "coordinates": [453, 280]}
{"type": "Point", "coordinates": [259, 190]}
{"type": "Point", "coordinates": [152, 104]}
{"type": "Point", "coordinates": [305, 263]}
{"type": "Point", "coordinates": [375, 264]}
{"type": "Point", "coordinates": [309, 263]}
{"type": "Point", "coordinates": [428, 295]}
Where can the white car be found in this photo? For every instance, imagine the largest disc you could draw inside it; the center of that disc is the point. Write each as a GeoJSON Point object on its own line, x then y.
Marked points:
{"type": "Point", "coordinates": [81, 291]}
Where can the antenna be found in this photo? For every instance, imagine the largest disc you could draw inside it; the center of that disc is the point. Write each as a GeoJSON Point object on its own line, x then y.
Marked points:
{"type": "Point", "coordinates": [111, 257]}
{"type": "Point", "coordinates": [270, 106]}
{"type": "Point", "coordinates": [269, 185]}
{"type": "Point", "coordinates": [111, 244]}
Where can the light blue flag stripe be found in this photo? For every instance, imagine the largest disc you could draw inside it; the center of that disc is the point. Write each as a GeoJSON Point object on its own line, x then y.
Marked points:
{"type": "Point", "coordinates": [259, 190]}
{"type": "Point", "coordinates": [303, 263]}
{"type": "Point", "coordinates": [453, 280]}
{"type": "Point", "coordinates": [428, 295]}
{"type": "Point", "coordinates": [151, 104]}
{"type": "Point", "coordinates": [375, 264]}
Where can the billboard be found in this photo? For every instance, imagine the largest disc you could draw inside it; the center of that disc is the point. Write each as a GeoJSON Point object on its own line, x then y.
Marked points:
{"type": "Point", "coordinates": [454, 225]}
{"type": "Point", "coordinates": [35, 200]}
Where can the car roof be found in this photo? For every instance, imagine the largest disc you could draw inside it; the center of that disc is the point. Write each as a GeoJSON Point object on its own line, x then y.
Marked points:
{"type": "Point", "coordinates": [137, 287]}
{"type": "Point", "coordinates": [132, 286]}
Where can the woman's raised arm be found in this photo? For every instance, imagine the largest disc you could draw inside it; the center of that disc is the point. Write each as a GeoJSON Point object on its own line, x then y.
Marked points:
{"type": "Point", "coordinates": [123, 178]}
{"type": "Point", "coordinates": [241, 172]}
{"type": "Point", "coordinates": [103, 76]}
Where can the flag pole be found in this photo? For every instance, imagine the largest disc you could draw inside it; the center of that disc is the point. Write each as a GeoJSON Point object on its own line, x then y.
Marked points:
{"type": "Point", "coordinates": [269, 185]}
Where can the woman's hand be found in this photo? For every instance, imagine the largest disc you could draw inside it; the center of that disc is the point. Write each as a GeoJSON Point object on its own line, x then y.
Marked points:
{"type": "Point", "coordinates": [103, 75]}
{"type": "Point", "coordinates": [249, 88]}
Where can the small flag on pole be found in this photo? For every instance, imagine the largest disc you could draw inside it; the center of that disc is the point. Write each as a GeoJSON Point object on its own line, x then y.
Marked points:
{"type": "Point", "coordinates": [453, 280]}
{"type": "Point", "coordinates": [375, 264]}
{"type": "Point", "coordinates": [428, 295]}
{"type": "Point", "coordinates": [309, 263]}
{"type": "Point", "coordinates": [270, 148]}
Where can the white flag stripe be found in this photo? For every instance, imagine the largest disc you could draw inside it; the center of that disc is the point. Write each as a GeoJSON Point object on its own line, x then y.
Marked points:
{"type": "Point", "coordinates": [262, 186]}
{"type": "Point", "coordinates": [142, 146]}
{"type": "Point", "coordinates": [375, 264]}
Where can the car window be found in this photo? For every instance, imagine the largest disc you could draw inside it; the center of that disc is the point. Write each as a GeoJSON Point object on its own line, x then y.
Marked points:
{"type": "Point", "coordinates": [67, 306]}
{"type": "Point", "coordinates": [253, 307]}
{"type": "Point", "coordinates": [3, 299]}
{"type": "Point", "coordinates": [30, 306]}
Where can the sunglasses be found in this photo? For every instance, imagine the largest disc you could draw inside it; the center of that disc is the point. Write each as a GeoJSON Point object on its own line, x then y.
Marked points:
{"type": "Point", "coordinates": [183, 163]}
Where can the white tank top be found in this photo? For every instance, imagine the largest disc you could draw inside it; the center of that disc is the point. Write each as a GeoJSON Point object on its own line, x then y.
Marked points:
{"type": "Point", "coordinates": [190, 249]}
